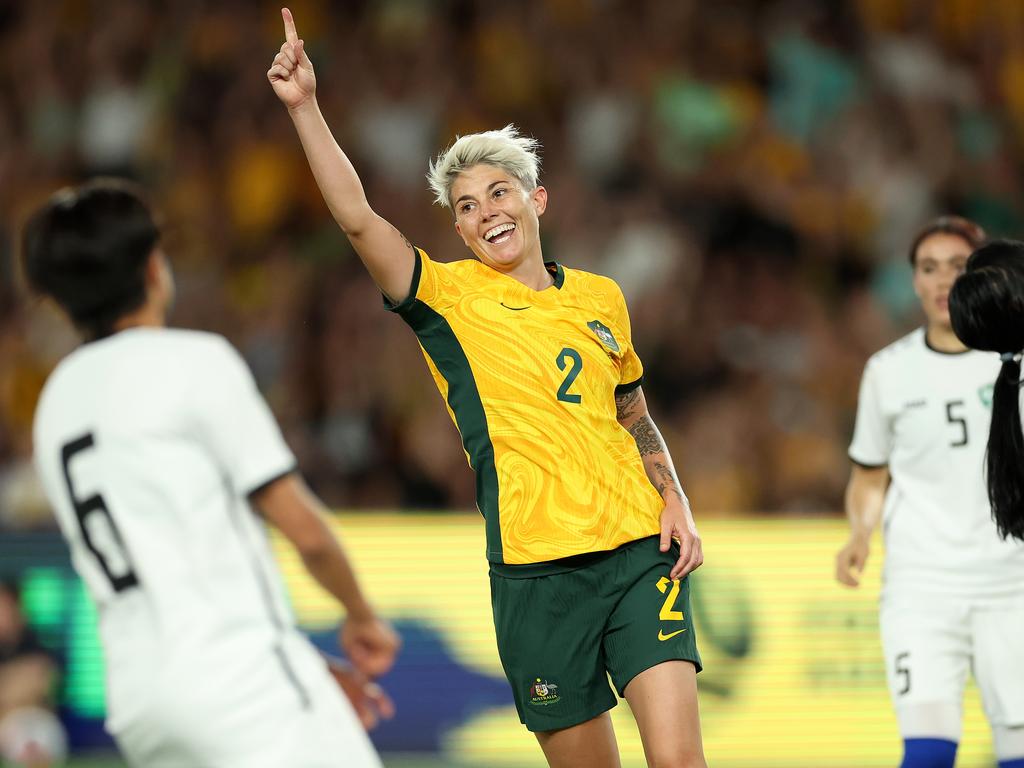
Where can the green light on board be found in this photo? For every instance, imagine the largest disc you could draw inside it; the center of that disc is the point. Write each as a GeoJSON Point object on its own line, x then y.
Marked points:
{"type": "Point", "coordinates": [58, 608]}
{"type": "Point", "coordinates": [42, 597]}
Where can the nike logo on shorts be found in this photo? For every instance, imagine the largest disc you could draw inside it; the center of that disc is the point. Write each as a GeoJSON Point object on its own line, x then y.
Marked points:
{"type": "Point", "coordinates": [514, 309]}
{"type": "Point", "coordinates": [663, 637]}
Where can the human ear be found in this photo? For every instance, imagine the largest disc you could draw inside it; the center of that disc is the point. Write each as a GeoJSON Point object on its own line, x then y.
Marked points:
{"type": "Point", "coordinates": [459, 232]}
{"type": "Point", "coordinates": [539, 196]}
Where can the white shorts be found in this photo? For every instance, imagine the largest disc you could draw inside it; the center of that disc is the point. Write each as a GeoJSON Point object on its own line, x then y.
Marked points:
{"type": "Point", "coordinates": [930, 645]}
{"type": "Point", "coordinates": [270, 712]}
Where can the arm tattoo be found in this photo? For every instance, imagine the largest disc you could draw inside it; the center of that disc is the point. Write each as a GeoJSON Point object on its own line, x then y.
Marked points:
{"type": "Point", "coordinates": [666, 480]}
{"type": "Point", "coordinates": [648, 441]}
{"type": "Point", "coordinates": [399, 233]}
{"type": "Point", "coordinates": [626, 403]}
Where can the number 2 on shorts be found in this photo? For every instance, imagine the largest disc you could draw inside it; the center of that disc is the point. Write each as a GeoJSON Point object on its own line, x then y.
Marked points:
{"type": "Point", "coordinates": [667, 613]}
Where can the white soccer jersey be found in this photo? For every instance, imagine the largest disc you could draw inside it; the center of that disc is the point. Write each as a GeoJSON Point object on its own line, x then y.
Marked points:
{"type": "Point", "coordinates": [148, 444]}
{"type": "Point", "coordinates": [925, 414]}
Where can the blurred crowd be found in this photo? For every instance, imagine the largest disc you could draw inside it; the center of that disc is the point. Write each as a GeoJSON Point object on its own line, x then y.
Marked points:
{"type": "Point", "coordinates": [751, 172]}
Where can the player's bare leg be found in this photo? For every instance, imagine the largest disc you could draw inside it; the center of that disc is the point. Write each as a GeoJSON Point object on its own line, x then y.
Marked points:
{"type": "Point", "coordinates": [587, 745]}
{"type": "Point", "coordinates": [664, 703]}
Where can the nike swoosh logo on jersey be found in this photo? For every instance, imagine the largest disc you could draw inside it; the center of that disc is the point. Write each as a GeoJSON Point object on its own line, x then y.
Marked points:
{"type": "Point", "coordinates": [514, 309]}
{"type": "Point", "coordinates": [663, 637]}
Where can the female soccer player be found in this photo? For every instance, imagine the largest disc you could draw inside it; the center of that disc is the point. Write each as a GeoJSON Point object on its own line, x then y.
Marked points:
{"type": "Point", "coordinates": [578, 493]}
{"type": "Point", "coordinates": [986, 306]}
{"type": "Point", "coordinates": [953, 591]}
{"type": "Point", "coordinates": [151, 444]}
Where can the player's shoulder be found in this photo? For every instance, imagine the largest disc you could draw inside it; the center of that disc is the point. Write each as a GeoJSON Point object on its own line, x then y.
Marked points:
{"type": "Point", "coordinates": [465, 271]}
{"type": "Point", "coordinates": [160, 353]}
{"type": "Point", "coordinates": [596, 293]}
{"type": "Point", "coordinates": [195, 342]}
{"type": "Point", "coordinates": [461, 272]}
{"type": "Point", "coordinates": [177, 347]}
{"type": "Point", "coordinates": [205, 353]}
{"type": "Point", "coordinates": [584, 277]}
{"type": "Point", "coordinates": [463, 266]}
{"type": "Point", "coordinates": [603, 289]}
{"type": "Point", "coordinates": [904, 350]}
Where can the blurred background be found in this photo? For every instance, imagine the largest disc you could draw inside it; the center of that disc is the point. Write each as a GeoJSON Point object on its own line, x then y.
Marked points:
{"type": "Point", "coordinates": [751, 172]}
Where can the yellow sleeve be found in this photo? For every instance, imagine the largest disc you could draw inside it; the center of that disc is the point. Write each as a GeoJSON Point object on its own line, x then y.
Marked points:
{"type": "Point", "coordinates": [631, 370]}
{"type": "Point", "coordinates": [432, 284]}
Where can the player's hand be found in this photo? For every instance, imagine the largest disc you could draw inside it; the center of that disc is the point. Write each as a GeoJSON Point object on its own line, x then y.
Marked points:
{"type": "Point", "coordinates": [291, 74]}
{"type": "Point", "coordinates": [677, 523]}
{"type": "Point", "coordinates": [371, 644]}
{"type": "Point", "coordinates": [851, 559]}
{"type": "Point", "coordinates": [369, 700]}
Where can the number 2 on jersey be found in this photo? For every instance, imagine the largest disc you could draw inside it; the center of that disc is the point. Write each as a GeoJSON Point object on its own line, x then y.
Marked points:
{"type": "Point", "coordinates": [97, 525]}
{"type": "Point", "coordinates": [569, 357]}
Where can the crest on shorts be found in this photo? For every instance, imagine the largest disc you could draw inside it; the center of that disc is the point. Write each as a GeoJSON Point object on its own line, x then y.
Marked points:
{"type": "Point", "coordinates": [604, 333]}
{"type": "Point", "coordinates": [985, 393]}
{"type": "Point", "coordinates": [544, 692]}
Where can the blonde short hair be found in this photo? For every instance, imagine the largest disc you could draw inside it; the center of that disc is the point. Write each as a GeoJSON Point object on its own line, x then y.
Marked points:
{"type": "Point", "coordinates": [505, 149]}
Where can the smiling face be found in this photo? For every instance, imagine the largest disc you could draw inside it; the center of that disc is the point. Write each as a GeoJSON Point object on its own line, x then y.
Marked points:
{"type": "Point", "coordinates": [496, 218]}
{"type": "Point", "coordinates": [940, 259]}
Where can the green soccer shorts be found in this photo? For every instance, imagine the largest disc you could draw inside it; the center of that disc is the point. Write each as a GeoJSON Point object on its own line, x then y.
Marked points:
{"type": "Point", "coordinates": [560, 636]}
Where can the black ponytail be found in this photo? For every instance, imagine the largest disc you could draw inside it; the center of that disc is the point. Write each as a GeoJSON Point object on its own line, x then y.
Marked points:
{"type": "Point", "coordinates": [986, 306]}
{"type": "Point", "coordinates": [1005, 456]}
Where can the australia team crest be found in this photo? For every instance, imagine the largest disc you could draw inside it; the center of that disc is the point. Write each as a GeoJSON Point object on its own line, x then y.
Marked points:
{"type": "Point", "coordinates": [544, 692]}
{"type": "Point", "coordinates": [604, 333]}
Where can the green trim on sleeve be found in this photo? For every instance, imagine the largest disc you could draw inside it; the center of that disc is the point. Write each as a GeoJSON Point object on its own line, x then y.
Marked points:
{"type": "Point", "coordinates": [443, 348]}
{"type": "Point", "coordinates": [414, 287]}
{"type": "Point", "coordinates": [623, 389]}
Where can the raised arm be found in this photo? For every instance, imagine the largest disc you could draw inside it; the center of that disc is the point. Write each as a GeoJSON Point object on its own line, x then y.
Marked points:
{"type": "Point", "coordinates": [676, 518]}
{"type": "Point", "coordinates": [387, 254]}
{"type": "Point", "coordinates": [865, 498]}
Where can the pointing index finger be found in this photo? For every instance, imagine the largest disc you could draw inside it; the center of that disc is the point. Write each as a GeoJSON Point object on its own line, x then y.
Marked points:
{"type": "Point", "coordinates": [289, 26]}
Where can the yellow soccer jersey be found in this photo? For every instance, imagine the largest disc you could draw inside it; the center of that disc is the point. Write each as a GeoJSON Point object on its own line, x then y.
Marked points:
{"type": "Point", "coordinates": [529, 378]}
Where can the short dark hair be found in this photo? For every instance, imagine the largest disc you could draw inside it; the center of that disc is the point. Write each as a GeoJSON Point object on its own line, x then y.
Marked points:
{"type": "Point", "coordinates": [87, 248]}
{"type": "Point", "coordinates": [965, 229]}
{"type": "Point", "coordinates": [986, 307]}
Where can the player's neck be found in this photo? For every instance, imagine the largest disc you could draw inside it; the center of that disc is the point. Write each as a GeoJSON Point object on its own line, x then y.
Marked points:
{"type": "Point", "coordinates": [533, 274]}
{"type": "Point", "coordinates": [942, 339]}
{"type": "Point", "coordinates": [149, 315]}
